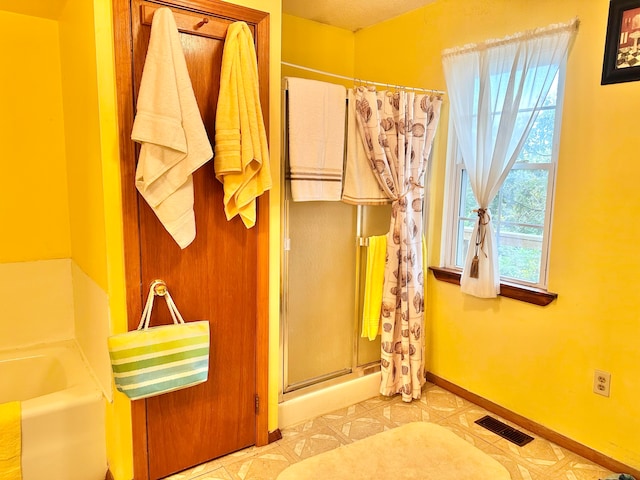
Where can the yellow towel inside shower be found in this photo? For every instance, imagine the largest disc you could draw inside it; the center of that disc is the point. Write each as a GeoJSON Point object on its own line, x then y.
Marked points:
{"type": "Point", "coordinates": [373, 285]}
{"type": "Point", "coordinates": [424, 263]}
{"type": "Point", "coordinates": [10, 441]}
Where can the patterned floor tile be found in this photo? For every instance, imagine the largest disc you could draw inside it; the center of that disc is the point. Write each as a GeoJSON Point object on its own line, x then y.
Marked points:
{"type": "Point", "coordinates": [343, 413]}
{"type": "Point", "coordinates": [219, 473]}
{"type": "Point", "coordinates": [262, 466]}
{"type": "Point", "coordinates": [463, 433]}
{"type": "Point", "coordinates": [303, 428]}
{"type": "Point", "coordinates": [196, 471]}
{"type": "Point", "coordinates": [244, 453]}
{"type": "Point", "coordinates": [518, 468]}
{"type": "Point", "coordinates": [199, 471]}
{"type": "Point", "coordinates": [400, 413]}
{"type": "Point", "coordinates": [442, 402]}
{"type": "Point", "coordinates": [320, 440]}
{"type": "Point", "coordinates": [179, 476]}
{"type": "Point", "coordinates": [578, 468]}
{"type": "Point", "coordinates": [544, 455]}
{"type": "Point", "coordinates": [363, 426]}
{"type": "Point", "coordinates": [378, 401]}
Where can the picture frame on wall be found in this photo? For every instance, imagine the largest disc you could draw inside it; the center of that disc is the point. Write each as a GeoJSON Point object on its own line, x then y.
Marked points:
{"type": "Point", "coordinates": [622, 43]}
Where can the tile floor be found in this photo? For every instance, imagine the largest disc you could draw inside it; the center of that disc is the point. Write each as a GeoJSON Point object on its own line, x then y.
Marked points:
{"type": "Point", "coordinates": [538, 460]}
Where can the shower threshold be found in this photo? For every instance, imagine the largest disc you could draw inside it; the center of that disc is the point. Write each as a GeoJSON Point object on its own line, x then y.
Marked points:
{"type": "Point", "coordinates": [323, 379]}
{"type": "Point", "coordinates": [328, 380]}
{"type": "Point", "coordinates": [329, 395]}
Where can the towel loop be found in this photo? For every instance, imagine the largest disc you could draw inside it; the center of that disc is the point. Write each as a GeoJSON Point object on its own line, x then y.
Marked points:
{"type": "Point", "coordinates": [201, 23]}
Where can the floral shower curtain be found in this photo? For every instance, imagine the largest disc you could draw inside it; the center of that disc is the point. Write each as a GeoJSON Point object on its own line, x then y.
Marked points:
{"type": "Point", "coordinates": [398, 130]}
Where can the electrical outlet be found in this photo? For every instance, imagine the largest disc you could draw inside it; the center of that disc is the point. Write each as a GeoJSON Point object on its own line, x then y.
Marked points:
{"type": "Point", "coordinates": [601, 383]}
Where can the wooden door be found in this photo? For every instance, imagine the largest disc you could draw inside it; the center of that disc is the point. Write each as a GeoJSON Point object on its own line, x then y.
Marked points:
{"type": "Point", "coordinates": [220, 277]}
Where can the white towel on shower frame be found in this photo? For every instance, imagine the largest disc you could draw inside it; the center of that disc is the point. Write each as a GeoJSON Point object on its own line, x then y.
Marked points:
{"type": "Point", "coordinates": [361, 186]}
{"type": "Point", "coordinates": [316, 124]}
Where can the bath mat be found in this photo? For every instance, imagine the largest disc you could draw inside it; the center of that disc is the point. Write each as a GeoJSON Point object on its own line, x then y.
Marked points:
{"type": "Point", "coordinates": [415, 451]}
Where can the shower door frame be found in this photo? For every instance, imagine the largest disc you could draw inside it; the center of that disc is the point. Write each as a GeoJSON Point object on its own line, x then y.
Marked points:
{"type": "Point", "coordinates": [287, 391]}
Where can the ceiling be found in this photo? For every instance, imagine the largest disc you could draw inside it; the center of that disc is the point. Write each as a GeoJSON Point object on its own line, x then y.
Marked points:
{"type": "Point", "coordinates": [351, 14]}
{"type": "Point", "coordinates": [348, 14]}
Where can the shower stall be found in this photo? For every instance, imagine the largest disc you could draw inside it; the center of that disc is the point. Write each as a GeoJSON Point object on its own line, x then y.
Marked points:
{"type": "Point", "coordinates": [324, 256]}
{"type": "Point", "coordinates": [324, 247]}
{"type": "Point", "coordinates": [325, 363]}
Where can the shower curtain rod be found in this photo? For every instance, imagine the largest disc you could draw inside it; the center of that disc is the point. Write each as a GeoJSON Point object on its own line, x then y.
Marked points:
{"type": "Point", "coordinates": [366, 82]}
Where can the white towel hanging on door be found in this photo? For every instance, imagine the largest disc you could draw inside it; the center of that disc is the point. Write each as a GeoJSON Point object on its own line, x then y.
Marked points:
{"type": "Point", "coordinates": [170, 129]}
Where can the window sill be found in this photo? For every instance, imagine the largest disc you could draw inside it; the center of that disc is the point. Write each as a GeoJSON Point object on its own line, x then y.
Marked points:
{"type": "Point", "coordinates": [532, 295]}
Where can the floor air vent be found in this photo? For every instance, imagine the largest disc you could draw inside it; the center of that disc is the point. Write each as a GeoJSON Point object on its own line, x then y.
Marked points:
{"type": "Point", "coordinates": [505, 431]}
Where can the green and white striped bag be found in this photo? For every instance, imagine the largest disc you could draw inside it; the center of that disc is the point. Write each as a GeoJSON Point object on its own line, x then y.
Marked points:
{"type": "Point", "coordinates": [150, 361]}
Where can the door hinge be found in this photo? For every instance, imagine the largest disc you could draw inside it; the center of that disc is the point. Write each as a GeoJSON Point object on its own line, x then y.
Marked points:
{"type": "Point", "coordinates": [257, 404]}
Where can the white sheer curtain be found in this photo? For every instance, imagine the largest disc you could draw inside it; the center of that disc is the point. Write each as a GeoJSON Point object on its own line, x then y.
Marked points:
{"type": "Point", "coordinates": [496, 89]}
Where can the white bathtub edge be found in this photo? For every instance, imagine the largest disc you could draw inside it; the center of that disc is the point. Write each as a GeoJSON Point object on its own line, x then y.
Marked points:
{"type": "Point", "coordinates": [299, 409]}
{"type": "Point", "coordinates": [74, 396]}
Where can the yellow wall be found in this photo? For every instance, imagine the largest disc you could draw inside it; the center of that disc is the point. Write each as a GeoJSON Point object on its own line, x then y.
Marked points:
{"type": "Point", "coordinates": [95, 204]}
{"type": "Point", "coordinates": [318, 46]}
{"type": "Point", "coordinates": [82, 138]}
{"type": "Point", "coordinates": [539, 361]}
{"type": "Point", "coordinates": [33, 185]}
{"type": "Point", "coordinates": [58, 134]}
{"type": "Point", "coordinates": [52, 137]}
{"type": "Point", "coordinates": [118, 415]}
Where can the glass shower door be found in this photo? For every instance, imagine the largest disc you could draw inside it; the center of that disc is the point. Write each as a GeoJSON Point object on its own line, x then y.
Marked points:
{"type": "Point", "coordinates": [320, 292]}
{"type": "Point", "coordinates": [323, 279]}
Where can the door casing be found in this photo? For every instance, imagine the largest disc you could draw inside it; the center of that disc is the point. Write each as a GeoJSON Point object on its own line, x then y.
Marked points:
{"type": "Point", "coordinates": [135, 290]}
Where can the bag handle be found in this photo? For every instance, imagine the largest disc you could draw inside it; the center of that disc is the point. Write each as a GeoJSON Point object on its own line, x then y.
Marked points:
{"type": "Point", "coordinates": [159, 288]}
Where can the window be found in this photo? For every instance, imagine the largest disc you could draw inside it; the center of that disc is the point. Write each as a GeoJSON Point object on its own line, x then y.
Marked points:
{"type": "Point", "coordinates": [521, 210]}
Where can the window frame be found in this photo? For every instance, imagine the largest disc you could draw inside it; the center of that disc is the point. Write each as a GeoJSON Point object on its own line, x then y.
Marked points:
{"type": "Point", "coordinates": [449, 271]}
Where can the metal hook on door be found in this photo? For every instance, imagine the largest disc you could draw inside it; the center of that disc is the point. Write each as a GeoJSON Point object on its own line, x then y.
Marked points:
{"type": "Point", "coordinates": [159, 287]}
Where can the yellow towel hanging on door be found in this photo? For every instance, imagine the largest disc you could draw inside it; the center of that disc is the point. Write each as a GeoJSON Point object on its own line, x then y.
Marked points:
{"type": "Point", "coordinates": [10, 441]}
{"type": "Point", "coordinates": [241, 157]}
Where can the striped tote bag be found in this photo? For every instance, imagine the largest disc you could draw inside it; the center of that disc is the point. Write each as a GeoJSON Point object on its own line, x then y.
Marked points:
{"type": "Point", "coordinates": [151, 361]}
